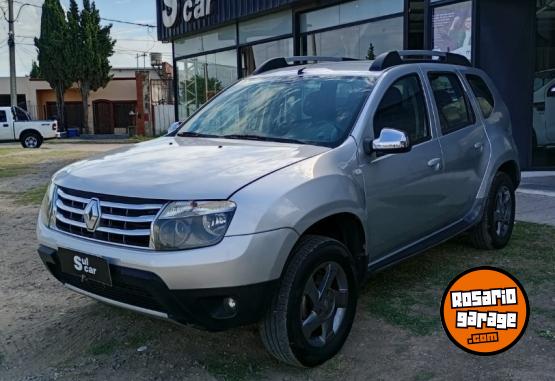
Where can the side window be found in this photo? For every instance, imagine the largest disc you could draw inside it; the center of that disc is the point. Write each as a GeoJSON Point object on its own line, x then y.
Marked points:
{"type": "Point", "coordinates": [3, 118]}
{"type": "Point", "coordinates": [453, 107]}
{"type": "Point", "coordinates": [482, 93]}
{"type": "Point", "coordinates": [403, 108]}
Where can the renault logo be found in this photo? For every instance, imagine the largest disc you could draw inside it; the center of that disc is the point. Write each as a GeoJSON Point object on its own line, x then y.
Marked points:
{"type": "Point", "coordinates": [92, 215]}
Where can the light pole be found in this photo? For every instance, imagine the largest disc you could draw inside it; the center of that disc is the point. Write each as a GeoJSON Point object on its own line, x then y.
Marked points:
{"type": "Point", "coordinates": [11, 45]}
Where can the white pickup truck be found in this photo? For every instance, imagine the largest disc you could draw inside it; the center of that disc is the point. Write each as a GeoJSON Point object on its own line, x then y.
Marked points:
{"type": "Point", "coordinates": [16, 125]}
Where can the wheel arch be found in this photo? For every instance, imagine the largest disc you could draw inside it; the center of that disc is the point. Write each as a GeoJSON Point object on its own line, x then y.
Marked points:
{"type": "Point", "coordinates": [28, 131]}
{"type": "Point", "coordinates": [512, 169]}
{"type": "Point", "coordinates": [347, 228]}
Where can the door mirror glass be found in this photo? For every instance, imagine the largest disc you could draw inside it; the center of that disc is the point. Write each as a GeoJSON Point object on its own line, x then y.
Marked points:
{"type": "Point", "coordinates": [390, 141]}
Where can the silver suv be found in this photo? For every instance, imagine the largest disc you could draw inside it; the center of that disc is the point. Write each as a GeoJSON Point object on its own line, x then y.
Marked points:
{"type": "Point", "coordinates": [274, 201]}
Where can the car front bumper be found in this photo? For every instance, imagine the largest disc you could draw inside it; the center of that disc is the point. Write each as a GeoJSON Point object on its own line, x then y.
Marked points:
{"type": "Point", "coordinates": [189, 287]}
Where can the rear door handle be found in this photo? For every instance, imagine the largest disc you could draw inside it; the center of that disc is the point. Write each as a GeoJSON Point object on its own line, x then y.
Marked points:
{"type": "Point", "coordinates": [6, 125]}
{"type": "Point", "coordinates": [435, 164]}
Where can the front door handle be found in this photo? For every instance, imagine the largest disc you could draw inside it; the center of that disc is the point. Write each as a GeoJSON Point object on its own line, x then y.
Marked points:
{"type": "Point", "coordinates": [6, 125]}
{"type": "Point", "coordinates": [435, 164]}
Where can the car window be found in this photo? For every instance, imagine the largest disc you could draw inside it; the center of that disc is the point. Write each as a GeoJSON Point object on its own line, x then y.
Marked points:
{"type": "Point", "coordinates": [403, 108]}
{"type": "Point", "coordinates": [20, 115]}
{"type": "Point", "coordinates": [453, 107]}
{"type": "Point", "coordinates": [482, 93]}
{"type": "Point", "coordinates": [3, 118]}
{"type": "Point", "coordinates": [318, 110]}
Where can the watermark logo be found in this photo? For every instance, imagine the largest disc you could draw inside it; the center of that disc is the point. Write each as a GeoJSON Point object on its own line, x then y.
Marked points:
{"type": "Point", "coordinates": [485, 311]}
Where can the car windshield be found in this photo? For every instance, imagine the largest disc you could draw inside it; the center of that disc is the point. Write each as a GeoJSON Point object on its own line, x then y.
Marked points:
{"type": "Point", "coordinates": [302, 109]}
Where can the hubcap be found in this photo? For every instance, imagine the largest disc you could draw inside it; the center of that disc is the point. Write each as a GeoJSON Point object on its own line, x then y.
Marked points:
{"type": "Point", "coordinates": [31, 141]}
{"type": "Point", "coordinates": [503, 212]}
{"type": "Point", "coordinates": [324, 303]}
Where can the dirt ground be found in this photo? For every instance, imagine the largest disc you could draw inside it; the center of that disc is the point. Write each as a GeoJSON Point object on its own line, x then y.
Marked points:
{"type": "Point", "coordinates": [50, 333]}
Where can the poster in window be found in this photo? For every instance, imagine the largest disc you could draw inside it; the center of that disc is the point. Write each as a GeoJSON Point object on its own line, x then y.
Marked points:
{"type": "Point", "coordinates": [452, 27]}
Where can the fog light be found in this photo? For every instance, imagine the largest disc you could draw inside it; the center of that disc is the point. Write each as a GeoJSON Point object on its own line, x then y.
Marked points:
{"type": "Point", "coordinates": [230, 304]}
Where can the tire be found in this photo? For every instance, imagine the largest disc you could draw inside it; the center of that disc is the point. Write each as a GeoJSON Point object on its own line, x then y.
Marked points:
{"type": "Point", "coordinates": [31, 140]}
{"type": "Point", "coordinates": [331, 311]}
{"type": "Point", "coordinates": [495, 229]}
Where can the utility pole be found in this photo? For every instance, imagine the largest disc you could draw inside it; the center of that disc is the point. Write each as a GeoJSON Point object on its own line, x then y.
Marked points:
{"type": "Point", "coordinates": [11, 44]}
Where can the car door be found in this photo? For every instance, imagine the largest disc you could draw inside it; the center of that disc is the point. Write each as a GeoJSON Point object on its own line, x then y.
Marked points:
{"type": "Point", "coordinates": [403, 191]}
{"type": "Point", "coordinates": [6, 128]}
{"type": "Point", "coordinates": [463, 141]}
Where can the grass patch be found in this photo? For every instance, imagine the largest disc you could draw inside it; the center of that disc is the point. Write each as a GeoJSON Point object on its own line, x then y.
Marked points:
{"type": "Point", "coordinates": [409, 295]}
{"type": "Point", "coordinates": [547, 334]}
{"type": "Point", "coordinates": [102, 348]}
{"type": "Point", "coordinates": [232, 367]}
{"type": "Point", "coordinates": [33, 196]}
{"type": "Point", "coordinates": [16, 162]}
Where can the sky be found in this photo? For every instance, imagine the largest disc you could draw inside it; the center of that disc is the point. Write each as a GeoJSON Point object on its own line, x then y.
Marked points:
{"type": "Point", "coordinates": [130, 39]}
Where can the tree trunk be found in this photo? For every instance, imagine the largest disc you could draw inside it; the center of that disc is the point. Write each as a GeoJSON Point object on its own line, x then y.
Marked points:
{"type": "Point", "coordinates": [85, 91]}
{"type": "Point", "coordinates": [60, 107]}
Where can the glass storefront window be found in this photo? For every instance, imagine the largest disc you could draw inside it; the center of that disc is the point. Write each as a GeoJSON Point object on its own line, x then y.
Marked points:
{"type": "Point", "coordinates": [365, 41]}
{"type": "Point", "coordinates": [255, 55]}
{"type": "Point", "coordinates": [349, 12]}
{"type": "Point", "coordinates": [452, 28]}
{"type": "Point", "coordinates": [217, 39]}
{"type": "Point", "coordinates": [275, 25]}
{"type": "Point", "coordinates": [543, 133]}
{"type": "Point", "coordinates": [201, 78]}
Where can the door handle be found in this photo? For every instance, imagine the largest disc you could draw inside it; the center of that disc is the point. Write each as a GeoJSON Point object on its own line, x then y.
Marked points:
{"type": "Point", "coordinates": [435, 164]}
{"type": "Point", "coordinates": [6, 125]}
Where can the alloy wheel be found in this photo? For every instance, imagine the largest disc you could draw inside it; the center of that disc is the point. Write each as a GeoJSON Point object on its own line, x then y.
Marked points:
{"type": "Point", "coordinates": [503, 212]}
{"type": "Point", "coordinates": [324, 303]}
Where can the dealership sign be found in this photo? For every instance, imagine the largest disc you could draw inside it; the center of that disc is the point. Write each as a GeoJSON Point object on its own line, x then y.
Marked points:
{"type": "Point", "coordinates": [179, 18]}
{"type": "Point", "coordinates": [192, 10]}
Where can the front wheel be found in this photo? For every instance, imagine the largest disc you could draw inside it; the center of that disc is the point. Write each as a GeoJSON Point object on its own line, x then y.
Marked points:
{"type": "Point", "coordinates": [31, 140]}
{"type": "Point", "coordinates": [313, 311]}
{"type": "Point", "coordinates": [496, 227]}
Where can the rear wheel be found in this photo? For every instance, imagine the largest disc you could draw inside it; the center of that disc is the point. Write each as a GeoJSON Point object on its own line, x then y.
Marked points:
{"type": "Point", "coordinates": [496, 227]}
{"type": "Point", "coordinates": [31, 140]}
{"type": "Point", "coordinates": [313, 311]}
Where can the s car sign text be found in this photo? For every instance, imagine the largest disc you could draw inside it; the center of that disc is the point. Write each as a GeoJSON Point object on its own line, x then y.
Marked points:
{"type": "Point", "coordinates": [192, 10]}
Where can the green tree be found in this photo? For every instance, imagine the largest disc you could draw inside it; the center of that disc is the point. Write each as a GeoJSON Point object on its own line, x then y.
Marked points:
{"type": "Point", "coordinates": [370, 55]}
{"type": "Point", "coordinates": [92, 46]}
{"type": "Point", "coordinates": [35, 71]}
{"type": "Point", "coordinates": [54, 56]}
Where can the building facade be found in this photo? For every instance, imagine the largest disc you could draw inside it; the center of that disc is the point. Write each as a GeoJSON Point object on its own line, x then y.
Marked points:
{"type": "Point", "coordinates": [216, 42]}
{"type": "Point", "coordinates": [140, 101]}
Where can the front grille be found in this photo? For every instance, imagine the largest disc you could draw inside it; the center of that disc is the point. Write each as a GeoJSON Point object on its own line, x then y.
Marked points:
{"type": "Point", "coordinates": [123, 220]}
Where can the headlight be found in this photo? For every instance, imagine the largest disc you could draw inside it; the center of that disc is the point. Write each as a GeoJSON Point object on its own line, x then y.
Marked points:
{"type": "Point", "coordinates": [189, 224]}
{"type": "Point", "coordinates": [47, 205]}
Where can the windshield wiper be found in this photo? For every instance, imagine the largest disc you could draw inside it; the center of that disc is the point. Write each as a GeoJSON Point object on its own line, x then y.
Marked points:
{"type": "Point", "coordinates": [262, 138]}
{"type": "Point", "coordinates": [189, 134]}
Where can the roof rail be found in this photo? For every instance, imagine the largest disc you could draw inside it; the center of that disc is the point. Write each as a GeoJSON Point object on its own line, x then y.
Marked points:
{"type": "Point", "coordinates": [395, 58]}
{"type": "Point", "coordinates": [283, 62]}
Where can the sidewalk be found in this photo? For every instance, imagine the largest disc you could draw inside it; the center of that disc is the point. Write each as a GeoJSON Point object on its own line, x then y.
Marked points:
{"type": "Point", "coordinates": [536, 198]}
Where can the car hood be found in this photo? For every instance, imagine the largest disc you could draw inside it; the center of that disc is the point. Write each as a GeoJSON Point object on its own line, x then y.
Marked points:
{"type": "Point", "coordinates": [182, 168]}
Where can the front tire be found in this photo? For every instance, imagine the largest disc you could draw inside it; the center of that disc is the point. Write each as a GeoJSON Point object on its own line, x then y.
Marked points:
{"type": "Point", "coordinates": [313, 311]}
{"type": "Point", "coordinates": [31, 140]}
{"type": "Point", "coordinates": [496, 227]}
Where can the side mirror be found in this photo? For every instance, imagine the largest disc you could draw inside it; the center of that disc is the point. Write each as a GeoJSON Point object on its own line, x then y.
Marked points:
{"type": "Point", "coordinates": [174, 126]}
{"type": "Point", "coordinates": [390, 141]}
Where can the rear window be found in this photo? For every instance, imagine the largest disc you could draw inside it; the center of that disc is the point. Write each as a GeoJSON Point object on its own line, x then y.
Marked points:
{"type": "Point", "coordinates": [3, 118]}
{"type": "Point", "coordinates": [454, 109]}
{"type": "Point", "coordinates": [482, 93]}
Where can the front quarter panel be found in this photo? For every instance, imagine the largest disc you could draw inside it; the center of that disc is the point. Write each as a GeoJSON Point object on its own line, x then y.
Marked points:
{"type": "Point", "coordinates": [300, 195]}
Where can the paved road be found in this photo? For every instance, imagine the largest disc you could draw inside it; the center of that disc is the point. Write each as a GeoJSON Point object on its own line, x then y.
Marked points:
{"type": "Point", "coordinates": [536, 198]}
